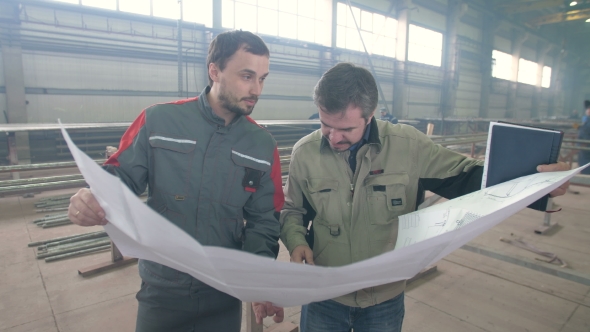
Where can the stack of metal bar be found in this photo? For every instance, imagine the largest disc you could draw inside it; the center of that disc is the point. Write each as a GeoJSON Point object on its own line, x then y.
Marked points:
{"type": "Point", "coordinates": [70, 246]}
{"type": "Point", "coordinates": [53, 220]}
{"type": "Point", "coordinates": [53, 204]}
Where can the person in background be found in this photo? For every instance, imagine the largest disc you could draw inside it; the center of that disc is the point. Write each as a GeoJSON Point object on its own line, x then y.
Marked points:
{"type": "Point", "coordinates": [586, 116]}
{"type": "Point", "coordinates": [385, 116]}
{"type": "Point", "coordinates": [207, 166]}
{"type": "Point", "coordinates": [354, 177]}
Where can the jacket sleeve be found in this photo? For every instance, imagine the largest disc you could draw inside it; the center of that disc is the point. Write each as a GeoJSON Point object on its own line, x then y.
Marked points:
{"type": "Point", "coordinates": [292, 229]}
{"type": "Point", "coordinates": [130, 162]}
{"type": "Point", "coordinates": [262, 210]}
{"type": "Point", "coordinates": [444, 172]}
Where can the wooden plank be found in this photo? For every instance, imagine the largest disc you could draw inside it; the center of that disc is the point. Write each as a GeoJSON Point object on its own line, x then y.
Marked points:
{"type": "Point", "coordinates": [251, 325]}
{"type": "Point", "coordinates": [283, 327]}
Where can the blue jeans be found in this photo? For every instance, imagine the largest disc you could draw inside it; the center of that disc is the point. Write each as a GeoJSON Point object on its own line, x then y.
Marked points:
{"type": "Point", "coordinates": [332, 316]}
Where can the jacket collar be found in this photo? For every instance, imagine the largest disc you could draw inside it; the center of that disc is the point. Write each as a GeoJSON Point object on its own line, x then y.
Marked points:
{"type": "Point", "coordinates": [373, 138]}
{"type": "Point", "coordinates": [208, 113]}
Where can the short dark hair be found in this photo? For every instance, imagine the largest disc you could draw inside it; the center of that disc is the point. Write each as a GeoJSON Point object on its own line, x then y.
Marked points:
{"type": "Point", "coordinates": [346, 84]}
{"type": "Point", "coordinates": [587, 104]}
{"type": "Point", "coordinates": [228, 43]}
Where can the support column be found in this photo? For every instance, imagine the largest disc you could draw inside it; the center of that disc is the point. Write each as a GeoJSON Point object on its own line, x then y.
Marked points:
{"type": "Point", "coordinates": [556, 84]}
{"type": "Point", "coordinates": [12, 63]}
{"type": "Point", "coordinates": [490, 24]}
{"type": "Point", "coordinates": [518, 38]}
{"type": "Point", "coordinates": [400, 105]}
{"type": "Point", "coordinates": [542, 49]}
{"type": "Point", "coordinates": [456, 9]}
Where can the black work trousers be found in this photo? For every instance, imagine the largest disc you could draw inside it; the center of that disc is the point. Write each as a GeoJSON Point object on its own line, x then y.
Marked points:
{"type": "Point", "coordinates": [201, 309]}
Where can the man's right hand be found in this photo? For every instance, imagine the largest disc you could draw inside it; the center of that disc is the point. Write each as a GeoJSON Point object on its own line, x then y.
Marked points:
{"type": "Point", "coordinates": [84, 209]}
{"type": "Point", "coordinates": [302, 254]}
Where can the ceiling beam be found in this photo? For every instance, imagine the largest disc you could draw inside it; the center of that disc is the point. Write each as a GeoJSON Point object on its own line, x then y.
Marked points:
{"type": "Point", "coordinates": [527, 6]}
{"type": "Point", "coordinates": [573, 15]}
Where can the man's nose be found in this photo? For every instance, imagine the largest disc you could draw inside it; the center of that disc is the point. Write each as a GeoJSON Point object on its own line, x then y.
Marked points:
{"type": "Point", "coordinates": [335, 136]}
{"type": "Point", "coordinates": [256, 88]}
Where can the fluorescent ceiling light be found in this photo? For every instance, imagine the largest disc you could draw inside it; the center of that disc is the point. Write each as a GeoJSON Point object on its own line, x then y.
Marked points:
{"type": "Point", "coordinates": [573, 3]}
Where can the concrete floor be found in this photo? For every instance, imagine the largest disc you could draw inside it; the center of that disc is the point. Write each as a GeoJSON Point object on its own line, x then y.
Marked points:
{"type": "Point", "coordinates": [469, 292]}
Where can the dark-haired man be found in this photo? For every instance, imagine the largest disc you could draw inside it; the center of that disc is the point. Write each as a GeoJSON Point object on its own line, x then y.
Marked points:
{"type": "Point", "coordinates": [207, 166]}
{"type": "Point", "coordinates": [353, 177]}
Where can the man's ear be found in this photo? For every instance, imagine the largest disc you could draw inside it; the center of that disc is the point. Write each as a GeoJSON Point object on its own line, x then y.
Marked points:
{"type": "Point", "coordinates": [370, 117]}
{"type": "Point", "coordinates": [214, 72]}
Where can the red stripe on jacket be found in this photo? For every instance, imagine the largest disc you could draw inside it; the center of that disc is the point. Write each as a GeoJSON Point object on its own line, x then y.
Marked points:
{"type": "Point", "coordinates": [276, 174]}
{"type": "Point", "coordinates": [127, 139]}
{"type": "Point", "coordinates": [133, 130]}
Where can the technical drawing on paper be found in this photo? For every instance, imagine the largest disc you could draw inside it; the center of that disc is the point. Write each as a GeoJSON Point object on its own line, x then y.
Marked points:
{"type": "Point", "coordinates": [516, 186]}
{"type": "Point", "coordinates": [451, 215]}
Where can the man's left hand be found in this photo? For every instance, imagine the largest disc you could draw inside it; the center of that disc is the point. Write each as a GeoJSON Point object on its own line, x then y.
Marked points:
{"type": "Point", "coordinates": [560, 166]}
{"type": "Point", "coordinates": [266, 309]}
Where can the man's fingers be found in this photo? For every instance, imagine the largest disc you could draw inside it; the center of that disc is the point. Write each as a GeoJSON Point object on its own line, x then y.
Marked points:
{"type": "Point", "coordinates": [308, 256]}
{"type": "Point", "coordinates": [266, 309]}
{"type": "Point", "coordinates": [560, 166]}
{"type": "Point", "coordinates": [302, 254]}
{"type": "Point", "coordinates": [84, 209]}
{"type": "Point", "coordinates": [279, 315]}
{"type": "Point", "coordinates": [561, 190]}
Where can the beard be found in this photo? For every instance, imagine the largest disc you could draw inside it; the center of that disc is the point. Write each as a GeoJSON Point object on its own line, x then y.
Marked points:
{"type": "Point", "coordinates": [231, 102]}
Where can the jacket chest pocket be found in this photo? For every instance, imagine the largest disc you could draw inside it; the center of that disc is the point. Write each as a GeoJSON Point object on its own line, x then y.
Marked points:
{"type": "Point", "coordinates": [324, 197]}
{"type": "Point", "coordinates": [245, 177]}
{"type": "Point", "coordinates": [386, 196]}
{"type": "Point", "coordinates": [172, 159]}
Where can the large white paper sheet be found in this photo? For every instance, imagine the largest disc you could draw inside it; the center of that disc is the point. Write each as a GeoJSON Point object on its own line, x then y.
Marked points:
{"type": "Point", "coordinates": [140, 232]}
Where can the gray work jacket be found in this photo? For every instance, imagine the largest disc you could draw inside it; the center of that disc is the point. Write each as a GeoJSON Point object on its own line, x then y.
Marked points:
{"type": "Point", "coordinates": [204, 177]}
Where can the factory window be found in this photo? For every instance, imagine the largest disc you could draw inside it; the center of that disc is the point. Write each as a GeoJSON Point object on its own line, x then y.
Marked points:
{"type": "Point", "coordinates": [378, 31]}
{"type": "Point", "coordinates": [104, 4]}
{"type": "Point", "coordinates": [527, 72]}
{"type": "Point", "coordinates": [425, 46]}
{"type": "Point", "coordinates": [501, 65]}
{"type": "Point", "coordinates": [546, 79]}
{"type": "Point", "coordinates": [192, 11]}
{"type": "Point", "coordinates": [198, 12]}
{"type": "Point", "coordinates": [305, 20]}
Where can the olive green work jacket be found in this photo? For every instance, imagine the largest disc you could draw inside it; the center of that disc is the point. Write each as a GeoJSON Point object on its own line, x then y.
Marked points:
{"type": "Point", "coordinates": [356, 214]}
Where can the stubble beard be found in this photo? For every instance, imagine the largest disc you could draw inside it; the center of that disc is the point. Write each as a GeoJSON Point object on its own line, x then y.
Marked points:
{"type": "Point", "coordinates": [230, 103]}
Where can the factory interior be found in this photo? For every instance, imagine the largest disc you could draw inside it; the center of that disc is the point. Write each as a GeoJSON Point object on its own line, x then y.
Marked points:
{"type": "Point", "coordinates": [445, 67]}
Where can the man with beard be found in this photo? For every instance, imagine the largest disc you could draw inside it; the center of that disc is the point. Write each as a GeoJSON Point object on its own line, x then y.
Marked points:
{"type": "Point", "coordinates": [353, 177]}
{"type": "Point", "coordinates": [207, 167]}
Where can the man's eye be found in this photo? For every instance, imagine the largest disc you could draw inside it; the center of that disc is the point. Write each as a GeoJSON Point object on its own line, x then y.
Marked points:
{"type": "Point", "coordinates": [247, 77]}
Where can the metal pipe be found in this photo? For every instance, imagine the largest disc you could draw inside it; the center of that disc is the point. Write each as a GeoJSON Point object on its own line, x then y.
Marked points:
{"type": "Point", "coordinates": [12, 190]}
{"type": "Point", "coordinates": [9, 183]}
{"type": "Point", "coordinates": [28, 167]}
{"type": "Point", "coordinates": [72, 249]}
{"type": "Point", "coordinates": [77, 253]}
{"type": "Point", "coordinates": [52, 210]}
{"type": "Point", "coordinates": [38, 243]}
{"type": "Point", "coordinates": [55, 224]}
{"type": "Point", "coordinates": [87, 237]}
